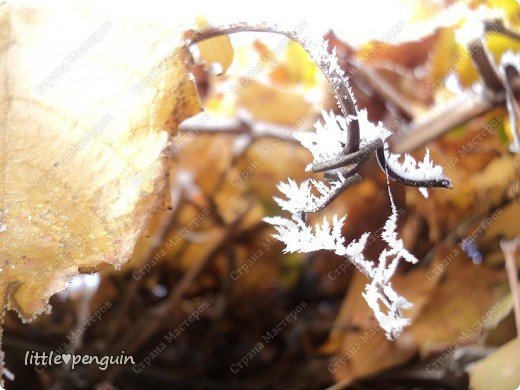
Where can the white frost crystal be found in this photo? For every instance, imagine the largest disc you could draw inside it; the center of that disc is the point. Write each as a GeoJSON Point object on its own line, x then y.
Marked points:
{"type": "Point", "coordinates": [328, 142]}
{"type": "Point", "coordinates": [413, 170]}
{"type": "Point", "coordinates": [299, 237]}
{"type": "Point", "coordinates": [329, 138]}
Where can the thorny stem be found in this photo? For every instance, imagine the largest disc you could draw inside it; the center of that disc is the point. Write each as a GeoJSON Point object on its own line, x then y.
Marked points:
{"type": "Point", "coordinates": [510, 249]}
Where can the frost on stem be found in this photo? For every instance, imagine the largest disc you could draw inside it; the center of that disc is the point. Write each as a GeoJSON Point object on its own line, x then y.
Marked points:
{"type": "Point", "coordinates": [329, 143]}
{"type": "Point", "coordinates": [338, 148]}
{"type": "Point", "coordinates": [299, 199]}
{"type": "Point", "coordinates": [413, 170]}
{"type": "Point", "coordinates": [302, 238]}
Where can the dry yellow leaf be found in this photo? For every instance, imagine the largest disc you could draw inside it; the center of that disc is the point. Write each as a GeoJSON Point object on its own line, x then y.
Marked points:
{"type": "Point", "coordinates": [215, 50]}
{"type": "Point", "coordinates": [459, 306]}
{"type": "Point", "coordinates": [443, 56]}
{"type": "Point", "coordinates": [500, 370]}
{"type": "Point", "coordinates": [510, 8]}
{"type": "Point", "coordinates": [89, 100]}
{"type": "Point", "coordinates": [269, 104]}
{"type": "Point", "coordinates": [297, 68]}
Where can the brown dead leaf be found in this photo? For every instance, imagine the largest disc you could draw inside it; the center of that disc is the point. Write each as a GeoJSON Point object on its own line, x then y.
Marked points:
{"type": "Point", "coordinates": [367, 351]}
{"type": "Point", "coordinates": [407, 54]}
{"type": "Point", "coordinates": [85, 118]}
{"type": "Point", "coordinates": [459, 306]}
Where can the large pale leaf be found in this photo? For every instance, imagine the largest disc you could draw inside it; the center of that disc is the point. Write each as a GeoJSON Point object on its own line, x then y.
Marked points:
{"type": "Point", "coordinates": [90, 97]}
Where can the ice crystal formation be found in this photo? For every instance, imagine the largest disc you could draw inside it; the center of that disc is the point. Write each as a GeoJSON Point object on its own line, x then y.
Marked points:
{"type": "Point", "coordinates": [327, 142]}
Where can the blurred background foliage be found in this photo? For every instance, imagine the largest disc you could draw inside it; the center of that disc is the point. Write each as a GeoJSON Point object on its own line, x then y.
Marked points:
{"type": "Point", "coordinates": [209, 243]}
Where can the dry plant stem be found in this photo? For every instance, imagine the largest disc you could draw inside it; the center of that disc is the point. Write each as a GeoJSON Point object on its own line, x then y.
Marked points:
{"type": "Point", "coordinates": [486, 68]}
{"type": "Point", "coordinates": [350, 159]}
{"type": "Point", "coordinates": [385, 89]}
{"type": "Point", "coordinates": [510, 250]}
{"type": "Point", "coordinates": [497, 26]}
{"type": "Point", "coordinates": [356, 178]}
{"type": "Point", "coordinates": [512, 106]}
{"type": "Point", "coordinates": [238, 126]}
{"type": "Point", "coordinates": [343, 94]}
{"type": "Point", "coordinates": [347, 171]}
{"type": "Point", "coordinates": [440, 121]}
{"type": "Point", "coordinates": [458, 112]}
{"type": "Point", "coordinates": [337, 80]}
{"type": "Point", "coordinates": [130, 292]}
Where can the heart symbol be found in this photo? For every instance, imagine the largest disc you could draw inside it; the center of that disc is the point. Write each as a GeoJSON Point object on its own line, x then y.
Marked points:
{"type": "Point", "coordinates": [66, 357]}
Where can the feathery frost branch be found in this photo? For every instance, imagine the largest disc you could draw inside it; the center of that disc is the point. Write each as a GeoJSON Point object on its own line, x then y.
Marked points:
{"type": "Point", "coordinates": [328, 143]}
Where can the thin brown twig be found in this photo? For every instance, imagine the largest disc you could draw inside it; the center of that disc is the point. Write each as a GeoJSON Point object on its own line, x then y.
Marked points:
{"type": "Point", "coordinates": [512, 106]}
{"type": "Point", "coordinates": [333, 74]}
{"type": "Point", "coordinates": [456, 112]}
{"type": "Point", "coordinates": [336, 78]}
{"type": "Point", "coordinates": [133, 285]}
{"type": "Point", "coordinates": [238, 126]}
{"type": "Point", "coordinates": [497, 26]}
{"type": "Point", "coordinates": [441, 120]}
{"type": "Point", "coordinates": [386, 90]}
{"type": "Point", "coordinates": [510, 249]}
{"type": "Point", "coordinates": [487, 69]}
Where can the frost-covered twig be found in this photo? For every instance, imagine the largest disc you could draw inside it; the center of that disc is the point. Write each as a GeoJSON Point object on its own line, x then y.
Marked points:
{"type": "Point", "coordinates": [412, 172]}
{"type": "Point", "coordinates": [326, 145]}
{"type": "Point", "coordinates": [319, 54]}
{"type": "Point", "coordinates": [299, 237]}
{"type": "Point", "coordinates": [338, 149]}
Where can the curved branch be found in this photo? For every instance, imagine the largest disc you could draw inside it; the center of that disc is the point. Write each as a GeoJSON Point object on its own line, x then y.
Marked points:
{"type": "Point", "coordinates": [332, 72]}
{"type": "Point", "coordinates": [427, 182]}
{"type": "Point", "coordinates": [337, 79]}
